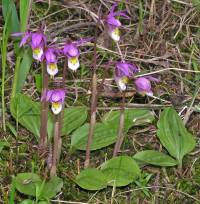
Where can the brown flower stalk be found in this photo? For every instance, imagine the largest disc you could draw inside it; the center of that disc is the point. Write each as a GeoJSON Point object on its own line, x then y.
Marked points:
{"type": "Point", "coordinates": [55, 146]}
{"type": "Point", "coordinates": [93, 106]}
{"type": "Point", "coordinates": [44, 110]}
{"type": "Point", "coordinates": [121, 127]}
{"type": "Point", "coordinates": [121, 135]}
{"type": "Point", "coordinates": [57, 130]}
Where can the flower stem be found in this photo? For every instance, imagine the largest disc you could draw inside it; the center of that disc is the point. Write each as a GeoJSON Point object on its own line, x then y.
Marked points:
{"type": "Point", "coordinates": [121, 127]}
{"type": "Point", "coordinates": [93, 106]}
{"type": "Point", "coordinates": [62, 112]}
{"type": "Point", "coordinates": [44, 109]}
{"type": "Point", "coordinates": [55, 146]}
{"type": "Point", "coordinates": [57, 130]}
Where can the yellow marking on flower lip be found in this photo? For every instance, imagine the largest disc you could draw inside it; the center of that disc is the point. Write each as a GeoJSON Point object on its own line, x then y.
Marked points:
{"type": "Point", "coordinates": [52, 66]}
{"type": "Point", "coordinates": [116, 31]}
{"type": "Point", "coordinates": [74, 60]}
{"type": "Point", "coordinates": [36, 51]}
{"type": "Point", "coordinates": [56, 105]}
{"type": "Point", "coordinates": [124, 80]}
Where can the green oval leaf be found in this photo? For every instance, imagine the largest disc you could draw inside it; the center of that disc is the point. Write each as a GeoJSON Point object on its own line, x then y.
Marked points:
{"type": "Point", "coordinates": [52, 187]}
{"type": "Point", "coordinates": [133, 117]}
{"type": "Point", "coordinates": [26, 183]}
{"type": "Point", "coordinates": [91, 179]}
{"type": "Point", "coordinates": [173, 134]}
{"type": "Point", "coordinates": [155, 158]}
{"type": "Point", "coordinates": [73, 118]}
{"type": "Point", "coordinates": [26, 112]}
{"type": "Point", "coordinates": [120, 171]}
{"type": "Point", "coordinates": [27, 201]}
{"type": "Point", "coordinates": [105, 133]}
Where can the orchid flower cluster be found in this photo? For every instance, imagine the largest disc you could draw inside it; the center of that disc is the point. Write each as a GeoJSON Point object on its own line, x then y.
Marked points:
{"type": "Point", "coordinates": [49, 55]}
{"type": "Point", "coordinates": [124, 70]}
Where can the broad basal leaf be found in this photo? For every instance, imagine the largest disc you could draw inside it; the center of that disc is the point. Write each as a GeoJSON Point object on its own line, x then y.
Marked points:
{"type": "Point", "coordinates": [173, 135]}
{"type": "Point", "coordinates": [105, 133]}
{"type": "Point", "coordinates": [73, 118]}
{"type": "Point", "coordinates": [133, 117]}
{"type": "Point", "coordinates": [28, 201]}
{"type": "Point", "coordinates": [120, 171]}
{"type": "Point", "coordinates": [52, 187]}
{"type": "Point", "coordinates": [26, 112]}
{"type": "Point", "coordinates": [91, 179]}
{"type": "Point", "coordinates": [155, 158]}
{"type": "Point", "coordinates": [26, 183]}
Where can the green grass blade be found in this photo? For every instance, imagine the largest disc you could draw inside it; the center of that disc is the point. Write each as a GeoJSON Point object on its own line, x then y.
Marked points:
{"type": "Point", "coordinates": [22, 67]}
{"type": "Point", "coordinates": [24, 61]}
{"type": "Point", "coordinates": [4, 44]}
{"type": "Point", "coordinates": [25, 6]}
{"type": "Point", "coordinates": [9, 4]}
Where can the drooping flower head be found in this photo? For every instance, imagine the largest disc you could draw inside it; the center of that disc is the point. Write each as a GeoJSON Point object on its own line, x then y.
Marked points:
{"type": "Point", "coordinates": [37, 41]}
{"type": "Point", "coordinates": [123, 71]}
{"type": "Point", "coordinates": [143, 85]}
{"type": "Point", "coordinates": [72, 52]}
{"type": "Point", "coordinates": [51, 55]}
{"type": "Point", "coordinates": [56, 97]}
{"type": "Point", "coordinates": [113, 24]}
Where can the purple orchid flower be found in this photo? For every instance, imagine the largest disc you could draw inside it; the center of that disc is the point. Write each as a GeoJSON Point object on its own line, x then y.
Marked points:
{"type": "Point", "coordinates": [37, 41]}
{"type": "Point", "coordinates": [71, 51]}
{"type": "Point", "coordinates": [56, 97]}
{"type": "Point", "coordinates": [123, 71]}
{"type": "Point", "coordinates": [113, 24]}
{"type": "Point", "coordinates": [51, 55]}
{"type": "Point", "coordinates": [143, 85]}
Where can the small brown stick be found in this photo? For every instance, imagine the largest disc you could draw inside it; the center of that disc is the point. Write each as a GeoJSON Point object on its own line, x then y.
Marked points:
{"type": "Point", "coordinates": [93, 101]}
{"type": "Point", "coordinates": [55, 146]}
{"type": "Point", "coordinates": [121, 128]}
{"type": "Point", "coordinates": [44, 110]}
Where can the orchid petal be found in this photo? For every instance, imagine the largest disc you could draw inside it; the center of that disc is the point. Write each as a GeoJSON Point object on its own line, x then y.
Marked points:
{"type": "Point", "coordinates": [152, 78]}
{"type": "Point", "coordinates": [113, 21]}
{"type": "Point", "coordinates": [71, 50]}
{"type": "Point", "coordinates": [24, 39]}
{"type": "Point", "coordinates": [48, 95]}
{"type": "Point", "coordinates": [50, 55]}
{"type": "Point", "coordinates": [143, 85]}
{"type": "Point", "coordinates": [113, 8]}
{"type": "Point", "coordinates": [36, 40]}
{"type": "Point", "coordinates": [82, 41]}
{"type": "Point", "coordinates": [121, 13]}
